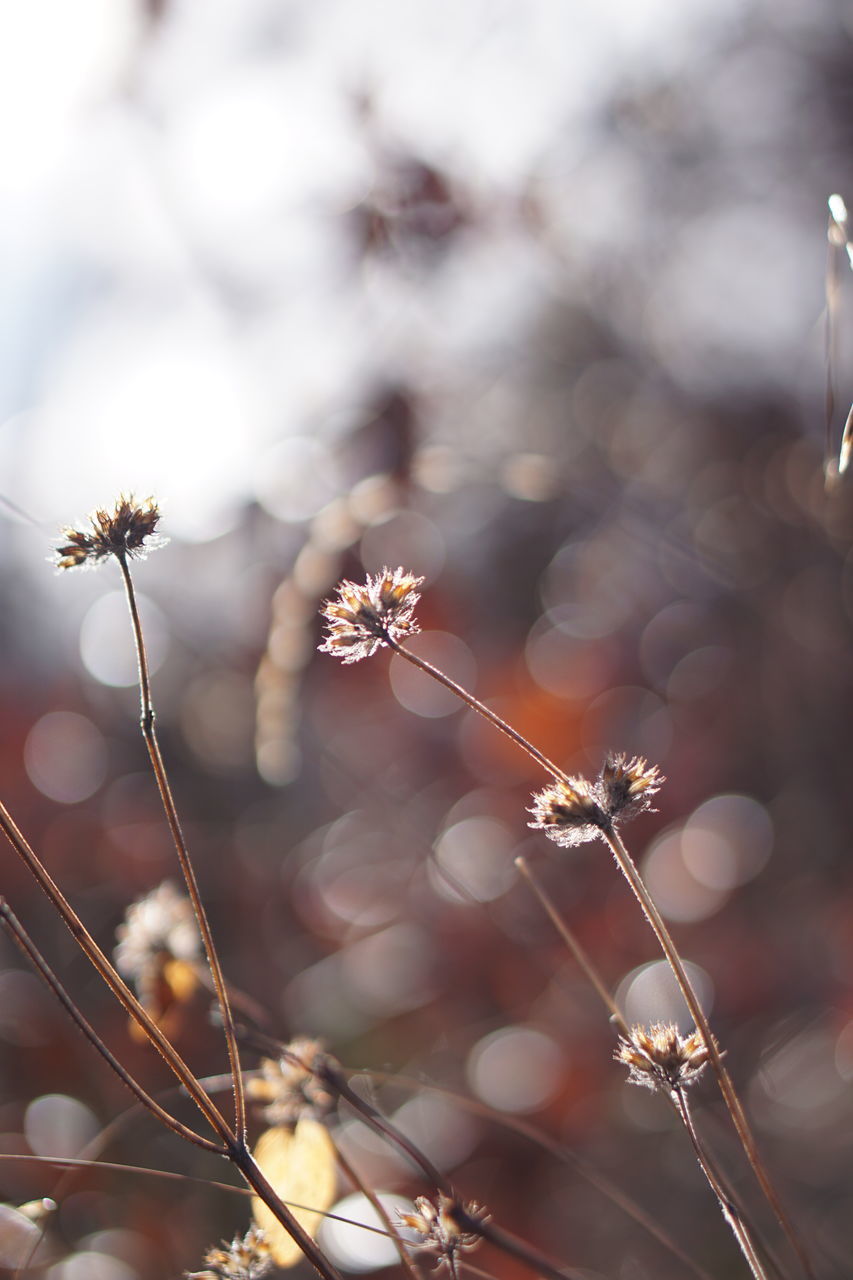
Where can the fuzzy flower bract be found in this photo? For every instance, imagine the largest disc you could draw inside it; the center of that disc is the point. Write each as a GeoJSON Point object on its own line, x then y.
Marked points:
{"type": "Point", "coordinates": [573, 810]}
{"type": "Point", "coordinates": [127, 532]}
{"type": "Point", "coordinates": [364, 617]}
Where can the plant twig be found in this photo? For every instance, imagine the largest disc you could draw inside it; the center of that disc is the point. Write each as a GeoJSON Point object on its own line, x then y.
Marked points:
{"type": "Point", "coordinates": [150, 736]}
{"type": "Point", "coordinates": [108, 973]}
{"type": "Point", "coordinates": [744, 1132]}
{"type": "Point", "coordinates": [731, 1213]}
{"type": "Point", "coordinates": [37, 960]}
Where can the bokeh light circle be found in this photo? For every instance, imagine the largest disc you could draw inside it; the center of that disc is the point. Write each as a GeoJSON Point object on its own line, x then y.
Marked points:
{"type": "Point", "coordinates": [65, 756]}
{"type": "Point", "coordinates": [106, 640]}
{"type": "Point", "coordinates": [516, 1069]}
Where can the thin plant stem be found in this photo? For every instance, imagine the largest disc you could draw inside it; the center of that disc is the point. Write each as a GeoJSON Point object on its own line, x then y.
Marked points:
{"type": "Point", "coordinates": [835, 233]}
{"type": "Point", "coordinates": [731, 1213]}
{"type": "Point", "coordinates": [116, 984]}
{"type": "Point", "coordinates": [559, 1152]}
{"type": "Point", "coordinates": [37, 960]}
{"type": "Point", "coordinates": [243, 1160]}
{"type": "Point", "coordinates": [234, 1147]}
{"type": "Point", "coordinates": [476, 705]}
{"type": "Point", "coordinates": [333, 1078]}
{"type": "Point", "coordinates": [150, 736]}
{"type": "Point", "coordinates": [510, 1244]}
{"type": "Point", "coordinates": [734, 1214]}
{"type": "Point", "coordinates": [579, 953]}
{"type": "Point", "coordinates": [77, 1163]}
{"type": "Point", "coordinates": [381, 1212]}
{"type": "Point", "coordinates": [626, 866]}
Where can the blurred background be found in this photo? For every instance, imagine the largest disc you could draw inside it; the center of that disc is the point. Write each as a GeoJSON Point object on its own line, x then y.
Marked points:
{"type": "Point", "coordinates": [528, 298]}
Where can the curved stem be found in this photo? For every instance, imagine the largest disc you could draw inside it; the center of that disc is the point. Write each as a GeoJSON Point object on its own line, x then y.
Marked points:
{"type": "Point", "coordinates": [149, 734]}
{"type": "Point", "coordinates": [744, 1132]}
{"type": "Point", "coordinates": [243, 1160]}
{"type": "Point", "coordinates": [730, 1210]}
{"type": "Point", "coordinates": [37, 960]}
{"type": "Point", "coordinates": [381, 1212]}
{"type": "Point", "coordinates": [115, 983]}
{"type": "Point", "coordinates": [480, 707]}
{"type": "Point", "coordinates": [623, 859]}
{"type": "Point", "coordinates": [580, 955]}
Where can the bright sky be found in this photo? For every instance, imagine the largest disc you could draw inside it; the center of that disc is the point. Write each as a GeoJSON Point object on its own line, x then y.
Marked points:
{"type": "Point", "coordinates": [181, 297]}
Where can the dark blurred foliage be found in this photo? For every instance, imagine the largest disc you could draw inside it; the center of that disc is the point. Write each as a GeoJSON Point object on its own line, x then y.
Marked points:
{"type": "Point", "coordinates": [630, 554]}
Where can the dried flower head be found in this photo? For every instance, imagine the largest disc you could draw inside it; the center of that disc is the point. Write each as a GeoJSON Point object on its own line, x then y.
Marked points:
{"type": "Point", "coordinates": [438, 1223]}
{"type": "Point", "coordinates": [661, 1058]}
{"type": "Point", "coordinates": [125, 532]}
{"type": "Point", "coordinates": [245, 1258]}
{"type": "Point", "coordinates": [288, 1086]}
{"type": "Point", "coordinates": [574, 810]}
{"type": "Point", "coordinates": [363, 618]}
{"type": "Point", "coordinates": [159, 928]}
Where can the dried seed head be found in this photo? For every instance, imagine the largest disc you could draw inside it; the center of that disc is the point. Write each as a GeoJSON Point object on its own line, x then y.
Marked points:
{"type": "Point", "coordinates": [574, 810]}
{"type": "Point", "coordinates": [568, 812]}
{"type": "Point", "coordinates": [288, 1086]}
{"type": "Point", "coordinates": [159, 928]}
{"type": "Point", "coordinates": [245, 1258]}
{"type": "Point", "coordinates": [661, 1058]}
{"type": "Point", "coordinates": [363, 618]}
{"type": "Point", "coordinates": [627, 786]}
{"type": "Point", "coordinates": [438, 1223]}
{"type": "Point", "coordinates": [125, 532]}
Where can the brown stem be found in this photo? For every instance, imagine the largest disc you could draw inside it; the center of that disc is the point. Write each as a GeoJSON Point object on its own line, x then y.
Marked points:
{"type": "Point", "coordinates": [510, 1244]}
{"type": "Point", "coordinates": [744, 1132]}
{"type": "Point", "coordinates": [37, 960]}
{"type": "Point", "coordinates": [149, 734]}
{"type": "Point", "coordinates": [115, 983]}
{"type": "Point", "coordinates": [325, 1071]}
{"type": "Point", "coordinates": [653, 916]}
{"type": "Point", "coordinates": [244, 1161]}
{"type": "Point", "coordinates": [381, 1212]}
{"type": "Point", "coordinates": [731, 1213]}
{"type": "Point", "coordinates": [476, 705]}
{"type": "Point", "coordinates": [580, 955]}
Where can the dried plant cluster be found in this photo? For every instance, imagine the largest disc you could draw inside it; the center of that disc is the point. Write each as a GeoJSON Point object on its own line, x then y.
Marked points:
{"type": "Point", "coordinates": [294, 1092]}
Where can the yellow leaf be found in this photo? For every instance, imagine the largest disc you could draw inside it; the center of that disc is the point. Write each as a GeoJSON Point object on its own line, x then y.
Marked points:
{"type": "Point", "coordinates": [301, 1167]}
{"type": "Point", "coordinates": [181, 979]}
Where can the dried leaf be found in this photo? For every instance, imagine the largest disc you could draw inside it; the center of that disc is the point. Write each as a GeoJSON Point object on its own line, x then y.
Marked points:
{"type": "Point", "coordinates": [300, 1164]}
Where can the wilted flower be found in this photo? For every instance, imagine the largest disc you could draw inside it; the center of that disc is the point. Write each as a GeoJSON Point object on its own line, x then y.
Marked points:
{"type": "Point", "coordinates": [289, 1088]}
{"type": "Point", "coordinates": [245, 1258]}
{"type": "Point", "coordinates": [661, 1058]}
{"type": "Point", "coordinates": [438, 1225]}
{"type": "Point", "coordinates": [159, 946]}
{"type": "Point", "coordinates": [574, 810]}
{"type": "Point", "coordinates": [363, 618]}
{"type": "Point", "coordinates": [126, 532]}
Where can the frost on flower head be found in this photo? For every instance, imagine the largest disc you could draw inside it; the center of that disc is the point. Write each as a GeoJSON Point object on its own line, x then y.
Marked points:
{"type": "Point", "coordinates": [661, 1058]}
{"type": "Point", "coordinates": [362, 618]}
{"type": "Point", "coordinates": [126, 532]}
{"type": "Point", "coordinates": [571, 811]}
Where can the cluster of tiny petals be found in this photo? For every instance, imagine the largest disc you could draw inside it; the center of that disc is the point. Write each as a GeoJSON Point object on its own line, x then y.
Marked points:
{"type": "Point", "coordinates": [574, 810]}
{"type": "Point", "coordinates": [437, 1224]}
{"type": "Point", "coordinates": [160, 924]}
{"type": "Point", "coordinates": [363, 617]}
{"type": "Point", "coordinates": [126, 531]}
{"type": "Point", "coordinates": [288, 1088]}
{"type": "Point", "coordinates": [661, 1058]}
{"type": "Point", "coordinates": [245, 1258]}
